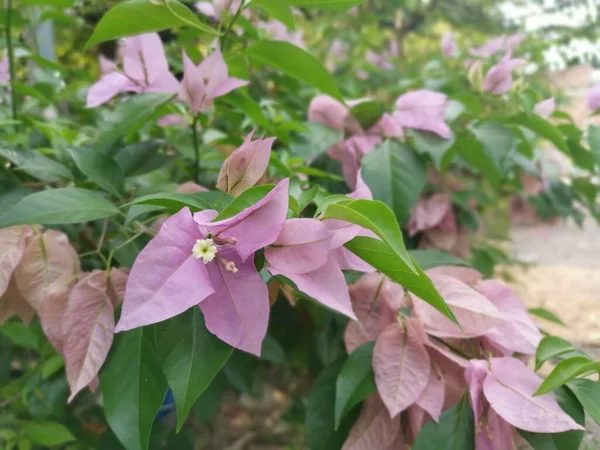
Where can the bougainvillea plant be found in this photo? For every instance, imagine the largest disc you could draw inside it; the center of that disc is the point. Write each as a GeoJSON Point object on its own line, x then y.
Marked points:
{"type": "Point", "coordinates": [216, 200]}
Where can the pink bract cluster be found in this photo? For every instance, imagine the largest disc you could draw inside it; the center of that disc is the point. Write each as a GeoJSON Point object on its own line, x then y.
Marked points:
{"type": "Point", "coordinates": [40, 274]}
{"type": "Point", "coordinates": [424, 363]}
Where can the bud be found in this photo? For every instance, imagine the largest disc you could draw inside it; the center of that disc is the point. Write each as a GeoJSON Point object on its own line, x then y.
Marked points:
{"type": "Point", "coordinates": [475, 76]}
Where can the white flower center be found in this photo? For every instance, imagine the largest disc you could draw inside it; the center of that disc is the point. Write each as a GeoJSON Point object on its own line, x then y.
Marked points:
{"type": "Point", "coordinates": [204, 249]}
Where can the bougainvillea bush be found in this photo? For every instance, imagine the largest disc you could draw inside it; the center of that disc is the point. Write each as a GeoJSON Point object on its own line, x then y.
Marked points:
{"type": "Point", "coordinates": [231, 193]}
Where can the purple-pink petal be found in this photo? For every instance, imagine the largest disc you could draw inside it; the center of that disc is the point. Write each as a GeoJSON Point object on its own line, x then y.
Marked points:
{"type": "Point", "coordinates": [255, 227]}
{"type": "Point", "coordinates": [423, 110]}
{"type": "Point", "coordinates": [238, 310]}
{"type": "Point", "coordinates": [107, 87]}
{"type": "Point", "coordinates": [166, 279]}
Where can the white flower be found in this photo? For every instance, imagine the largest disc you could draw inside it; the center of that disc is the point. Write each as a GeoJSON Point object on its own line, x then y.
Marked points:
{"type": "Point", "coordinates": [204, 249]}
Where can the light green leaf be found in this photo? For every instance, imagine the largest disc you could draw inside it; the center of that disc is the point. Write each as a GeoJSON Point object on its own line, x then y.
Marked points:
{"type": "Point", "coordinates": [127, 118]}
{"type": "Point", "coordinates": [316, 140]}
{"type": "Point", "coordinates": [395, 176]}
{"type": "Point", "coordinates": [594, 141]}
{"type": "Point", "coordinates": [191, 357]}
{"type": "Point", "coordinates": [455, 430]}
{"type": "Point", "coordinates": [429, 259]}
{"type": "Point", "coordinates": [554, 347]}
{"type": "Point", "coordinates": [306, 197]}
{"type": "Point", "coordinates": [48, 434]}
{"type": "Point", "coordinates": [294, 62]}
{"type": "Point", "coordinates": [58, 207]}
{"type": "Point", "coordinates": [278, 10]}
{"type": "Point", "coordinates": [381, 256]}
{"type": "Point", "coordinates": [37, 165]}
{"type": "Point", "coordinates": [173, 202]}
{"type": "Point", "coordinates": [101, 169]}
{"type": "Point", "coordinates": [542, 128]}
{"type": "Point", "coordinates": [473, 152]}
{"type": "Point", "coordinates": [546, 315]}
{"type": "Point", "coordinates": [565, 371]}
{"type": "Point", "coordinates": [133, 387]}
{"type": "Point", "coordinates": [355, 381]}
{"type": "Point", "coordinates": [19, 334]}
{"type": "Point", "coordinates": [436, 147]}
{"type": "Point", "coordinates": [143, 16]}
{"type": "Point", "coordinates": [375, 216]}
{"type": "Point", "coordinates": [497, 141]}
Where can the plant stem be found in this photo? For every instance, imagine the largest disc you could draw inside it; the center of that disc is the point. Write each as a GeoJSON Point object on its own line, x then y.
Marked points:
{"type": "Point", "coordinates": [230, 26]}
{"type": "Point", "coordinates": [11, 59]}
{"type": "Point", "coordinates": [196, 148]}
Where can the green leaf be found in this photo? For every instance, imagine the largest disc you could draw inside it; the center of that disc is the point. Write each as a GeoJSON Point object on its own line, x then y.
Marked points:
{"type": "Point", "coordinates": [101, 169]}
{"type": "Point", "coordinates": [335, 5]}
{"type": "Point", "coordinates": [546, 315]}
{"type": "Point", "coordinates": [306, 197]}
{"type": "Point", "coordinates": [240, 100]}
{"type": "Point", "coordinates": [367, 113]}
{"type": "Point", "coordinates": [542, 128]}
{"type": "Point", "coordinates": [381, 256]}
{"type": "Point", "coordinates": [48, 434]}
{"type": "Point", "coordinates": [134, 156]}
{"type": "Point", "coordinates": [133, 386]}
{"type": "Point", "coordinates": [395, 176]}
{"type": "Point", "coordinates": [55, 3]}
{"type": "Point", "coordinates": [594, 141]}
{"type": "Point", "coordinates": [316, 140]}
{"type": "Point", "coordinates": [581, 156]}
{"type": "Point", "coordinates": [559, 441]}
{"type": "Point", "coordinates": [375, 216]}
{"type": "Point", "coordinates": [320, 411]}
{"type": "Point", "coordinates": [242, 371]}
{"type": "Point", "coordinates": [191, 357]}
{"type": "Point", "coordinates": [127, 118]}
{"type": "Point", "coordinates": [278, 10]}
{"type": "Point", "coordinates": [472, 151]}
{"type": "Point", "coordinates": [58, 207]}
{"type": "Point", "coordinates": [21, 335]}
{"type": "Point", "coordinates": [294, 62]}
{"type": "Point", "coordinates": [588, 394]}
{"type": "Point", "coordinates": [554, 347]}
{"type": "Point", "coordinates": [497, 141]}
{"type": "Point", "coordinates": [355, 381]}
{"type": "Point", "coordinates": [143, 16]}
{"type": "Point", "coordinates": [455, 430]}
{"type": "Point", "coordinates": [429, 259]}
{"type": "Point", "coordinates": [37, 165]}
{"type": "Point", "coordinates": [434, 146]}
{"type": "Point", "coordinates": [565, 371]}
{"type": "Point", "coordinates": [248, 198]}
{"type": "Point", "coordinates": [173, 202]}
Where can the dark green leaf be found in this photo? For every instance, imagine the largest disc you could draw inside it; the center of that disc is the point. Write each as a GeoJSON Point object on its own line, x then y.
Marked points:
{"type": "Point", "coordinates": [497, 141]}
{"type": "Point", "coordinates": [242, 371]}
{"type": "Point", "coordinates": [455, 430]}
{"type": "Point", "coordinates": [588, 394]}
{"type": "Point", "coordinates": [57, 207]}
{"type": "Point", "coordinates": [367, 113]}
{"type": "Point", "coordinates": [320, 412]}
{"type": "Point", "coordinates": [473, 152]}
{"type": "Point", "coordinates": [133, 386]}
{"type": "Point", "coordinates": [355, 381]}
{"type": "Point", "coordinates": [395, 176]}
{"type": "Point", "coordinates": [385, 260]}
{"type": "Point", "coordinates": [565, 371]}
{"type": "Point", "coordinates": [336, 5]}
{"type": "Point", "coordinates": [48, 434]}
{"type": "Point", "coordinates": [37, 165]}
{"type": "Point", "coordinates": [143, 16]}
{"type": "Point", "coordinates": [191, 357]}
{"type": "Point", "coordinates": [432, 145]}
{"type": "Point", "coordinates": [101, 169]}
{"type": "Point", "coordinates": [294, 62]}
{"type": "Point", "coordinates": [21, 335]}
{"type": "Point", "coordinates": [132, 157]}
{"type": "Point", "coordinates": [429, 259]}
{"type": "Point", "coordinates": [581, 156]}
{"type": "Point", "coordinates": [127, 118]}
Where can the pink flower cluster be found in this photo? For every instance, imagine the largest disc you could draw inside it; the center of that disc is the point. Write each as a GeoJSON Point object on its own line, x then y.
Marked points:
{"type": "Point", "coordinates": [145, 69]}
{"type": "Point", "coordinates": [420, 110]}
{"type": "Point", "coordinates": [423, 363]}
{"type": "Point", "coordinates": [40, 273]}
